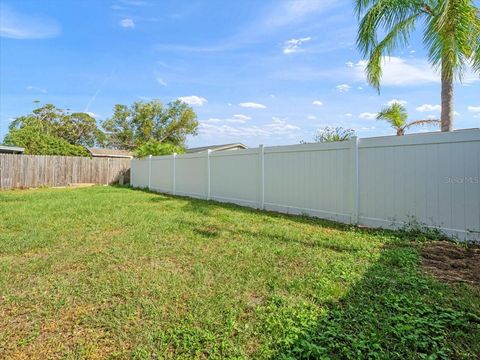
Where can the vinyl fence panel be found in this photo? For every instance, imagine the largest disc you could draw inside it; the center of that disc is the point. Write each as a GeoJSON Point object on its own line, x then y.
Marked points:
{"type": "Point", "coordinates": [313, 179]}
{"type": "Point", "coordinates": [235, 176]}
{"type": "Point", "coordinates": [191, 175]}
{"type": "Point", "coordinates": [432, 179]}
{"type": "Point", "coordinates": [161, 177]}
{"type": "Point", "coordinates": [140, 173]}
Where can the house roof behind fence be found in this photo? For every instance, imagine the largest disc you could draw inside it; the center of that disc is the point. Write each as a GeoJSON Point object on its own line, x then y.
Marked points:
{"type": "Point", "coordinates": [222, 147]}
{"type": "Point", "coordinates": [114, 153]}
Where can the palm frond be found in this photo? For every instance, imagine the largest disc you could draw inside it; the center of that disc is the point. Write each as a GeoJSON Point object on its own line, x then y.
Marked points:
{"type": "Point", "coordinates": [398, 36]}
{"type": "Point", "coordinates": [425, 122]}
{"type": "Point", "coordinates": [452, 37]}
{"type": "Point", "coordinates": [395, 115]}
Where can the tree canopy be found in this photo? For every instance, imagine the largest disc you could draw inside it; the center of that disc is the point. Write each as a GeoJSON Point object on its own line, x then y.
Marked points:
{"type": "Point", "coordinates": [143, 122]}
{"type": "Point", "coordinates": [330, 134]}
{"type": "Point", "coordinates": [148, 128]}
{"type": "Point", "coordinates": [49, 130]}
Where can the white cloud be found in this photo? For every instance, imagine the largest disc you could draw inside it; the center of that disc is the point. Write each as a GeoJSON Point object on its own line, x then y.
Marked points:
{"type": "Point", "coordinates": [401, 72]}
{"type": "Point", "coordinates": [428, 108]}
{"type": "Point", "coordinates": [311, 117]}
{"type": "Point", "coordinates": [36, 89]}
{"type": "Point", "coordinates": [241, 117]}
{"type": "Point", "coordinates": [278, 126]}
{"type": "Point", "coordinates": [193, 100]}
{"type": "Point", "coordinates": [293, 45]}
{"type": "Point", "coordinates": [92, 114]}
{"type": "Point", "coordinates": [348, 115]}
{"type": "Point", "coordinates": [343, 87]}
{"type": "Point", "coordinates": [349, 64]}
{"type": "Point", "coordinates": [474, 108]}
{"type": "Point", "coordinates": [368, 116]}
{"type": "Point", "coordinates": [213, 120]}
{"type": "Point", "coordinates": [317, 103]}
{"type": "Point", "coordinates": [252, 105]}
{"type": "Point", "coordinates": [127, 23]}
{"type": "Point", "coordinates": [396, 101]}
{"type": "Point", "coordinates": [15, 25]}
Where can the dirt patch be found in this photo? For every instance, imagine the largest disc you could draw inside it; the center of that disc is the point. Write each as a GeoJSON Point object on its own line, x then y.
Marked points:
{"type": "Point", "coordinates": [453, 263]}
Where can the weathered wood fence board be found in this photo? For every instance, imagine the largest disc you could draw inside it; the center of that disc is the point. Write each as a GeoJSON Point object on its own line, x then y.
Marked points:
{"type": "Point", "coordinates": [24, 171]}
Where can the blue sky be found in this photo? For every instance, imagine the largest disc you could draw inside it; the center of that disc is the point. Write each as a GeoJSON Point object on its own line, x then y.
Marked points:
{"type": "Point", "coordinates": [259, 72]}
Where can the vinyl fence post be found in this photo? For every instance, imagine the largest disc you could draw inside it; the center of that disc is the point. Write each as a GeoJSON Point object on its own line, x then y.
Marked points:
{"type": "Point", "coordinates": [173, 163]}
{"type": "Point", "coordinates": [149, 171]}
{"type": "Point", "coordinates": [261, 149]}
{"type": "Point", "coordinates": [355, 184]}
{"type": "Point", "coordinates": [208, 173]}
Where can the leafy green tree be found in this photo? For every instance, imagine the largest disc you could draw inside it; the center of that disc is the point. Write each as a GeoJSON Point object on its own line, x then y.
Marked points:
{"type": "Point", "coordinates": [396, 115]}
{"type": "Point", "coordinates": [451, 35]}
{"type": "Point", "coordinates": [157, 148]}
{"type": "Point", "coordinates": [36, 142]}
{"type": "Point", "coordinates": [78, 129]}
{"type": "Point", "coordinates": [330, 134]}
{"type": "Point", "coordinates": [131, 127]}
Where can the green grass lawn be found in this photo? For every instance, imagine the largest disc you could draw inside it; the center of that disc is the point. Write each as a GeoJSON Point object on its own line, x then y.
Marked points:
{"type": "Point", "coordinates": [109, 272]}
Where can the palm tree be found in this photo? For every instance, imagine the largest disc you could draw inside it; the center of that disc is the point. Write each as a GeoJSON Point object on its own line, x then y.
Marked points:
{"type": "Point", "coordinates": [396, 115]}
{"type": "Point", "coordinates": [451, 35]}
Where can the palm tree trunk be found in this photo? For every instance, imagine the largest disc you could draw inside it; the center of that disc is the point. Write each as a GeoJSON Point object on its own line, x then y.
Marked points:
{"type": "Point", "coordinates": [446, 116]}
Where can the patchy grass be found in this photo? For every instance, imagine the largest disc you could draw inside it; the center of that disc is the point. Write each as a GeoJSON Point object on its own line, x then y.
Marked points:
{"type": "Point", "coordinates": [108, 272]}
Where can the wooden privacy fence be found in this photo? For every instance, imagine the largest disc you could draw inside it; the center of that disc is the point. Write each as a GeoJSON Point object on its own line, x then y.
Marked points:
{"type": "Point", "coordinates": [24, 171]}
{"type": "Point", "coordinates": [431, 178]}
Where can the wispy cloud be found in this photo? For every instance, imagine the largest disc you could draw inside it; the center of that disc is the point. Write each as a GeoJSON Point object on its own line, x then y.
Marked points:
{"type": "Point", "coordinates": [473, 108]}
{"type": "Point", "coordinates": [292, 12]}
{"type": "Point", "coordinates": [17, 25]}
{"type": "Point", "coordinates": [368, 116]}
{"type": "Point", "coordinates": [396, 101]}
{"type": "Point", "coordinates": [294, 45]}
{"type": "Point", "coordinates": [317, 103]}
{"type": "Point", "coordinates": [193, 100]}
{"type": "Point", "coordinates": [242, 117]}
{"type": "Point", "coordinates": [36, 89]}
{"type": "Point", "coordinates": [278, 126]}
{"type": "Point", "coordinates": [428, 108]}
{"type": "Point", "coordinates": [343, 88]}
{"type": "Point", "coordinates": [400, 72]}
{"type": "Point", "coordinates": [252, 105]}
{"type": "Point", "coordinates": [127, 23]}
{"type": "Point", "coordinates": [159, 78]}
{"type": "Point", "coordinates": [92, 114]}
{"type": "Point", "coordinates": [94, 97]}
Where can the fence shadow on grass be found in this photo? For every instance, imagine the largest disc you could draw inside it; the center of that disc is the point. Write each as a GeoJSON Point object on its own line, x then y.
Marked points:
{"type": "Point", "coordinates": [393, 312]}
{"type": "Point", "coordinates": [204, 207]}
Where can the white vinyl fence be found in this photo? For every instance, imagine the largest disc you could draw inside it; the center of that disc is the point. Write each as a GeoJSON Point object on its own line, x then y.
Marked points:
{"type": "Point", "coordinates": [430, 178]}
